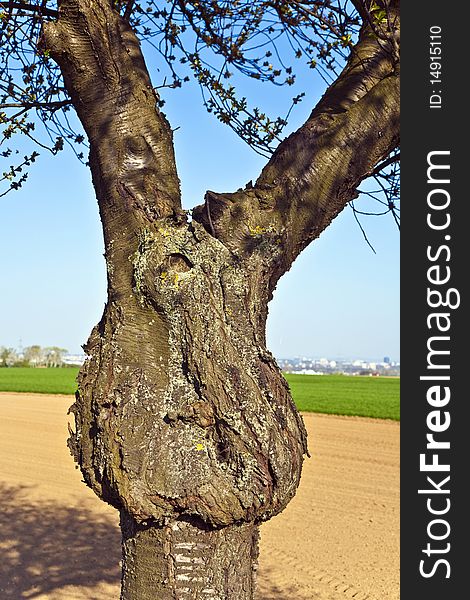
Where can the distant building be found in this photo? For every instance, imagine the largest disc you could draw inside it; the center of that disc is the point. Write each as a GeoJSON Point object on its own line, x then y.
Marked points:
{"type": "Point", "coordinates": [74, 360]}
{"type": "Point", "coordinates": [323, 366]}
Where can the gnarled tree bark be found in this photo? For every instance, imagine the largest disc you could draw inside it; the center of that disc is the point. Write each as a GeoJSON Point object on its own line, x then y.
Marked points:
{"type": "Point", "coordinates": [184, 421]}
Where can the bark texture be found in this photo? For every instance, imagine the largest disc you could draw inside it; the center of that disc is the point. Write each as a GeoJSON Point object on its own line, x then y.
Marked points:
{"type": "Point", "coordinates": [187, 560]}
{"type": "Point", "coordinates": [183, 419]}
{"type": "Point", "coordinates": [190, 415]}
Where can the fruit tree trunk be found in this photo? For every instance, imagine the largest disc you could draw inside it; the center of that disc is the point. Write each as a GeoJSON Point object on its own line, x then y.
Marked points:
{"type": "Point", "coordinates": [183, 420]}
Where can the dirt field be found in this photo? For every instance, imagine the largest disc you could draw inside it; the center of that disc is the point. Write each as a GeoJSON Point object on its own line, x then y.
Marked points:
{"type": "Point", "coordinates": [338, 539]}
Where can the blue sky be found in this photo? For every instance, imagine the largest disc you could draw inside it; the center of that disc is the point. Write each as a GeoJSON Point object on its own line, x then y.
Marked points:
{"type": "Point", "coordinates": [339, 299]}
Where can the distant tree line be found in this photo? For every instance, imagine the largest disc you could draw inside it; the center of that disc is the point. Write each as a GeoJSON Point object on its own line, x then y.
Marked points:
{"type": "Point", "coordinates": [32, 356]}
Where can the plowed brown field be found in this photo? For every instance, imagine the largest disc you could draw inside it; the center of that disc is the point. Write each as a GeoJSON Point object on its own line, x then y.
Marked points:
{"type": "Point", "coordinates": [338, 539]}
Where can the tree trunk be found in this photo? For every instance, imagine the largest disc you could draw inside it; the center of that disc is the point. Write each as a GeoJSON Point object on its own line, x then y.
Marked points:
{"type": "Point", "coordinates": [188, 560]}
{"type": "Point", "coordinates": [184, 421]}
{"type": "Point", "coordinates": [181, 410]}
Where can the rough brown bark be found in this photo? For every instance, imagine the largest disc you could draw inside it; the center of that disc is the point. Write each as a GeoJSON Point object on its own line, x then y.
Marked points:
{"type": "Point", "coordinates": [188, 560]}
{"type": "Point", "coordinates": [184, 421]}
{"type": "Point", "coordinates": [201, 421]}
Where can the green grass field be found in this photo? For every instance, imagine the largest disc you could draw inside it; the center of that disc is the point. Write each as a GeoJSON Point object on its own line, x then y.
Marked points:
{"type": "Point", "coordinates": [333, 394]}
{"type": "Point", "coordinates": [346, 395]}
{"type": "Point", "coordinates": [45, 381]}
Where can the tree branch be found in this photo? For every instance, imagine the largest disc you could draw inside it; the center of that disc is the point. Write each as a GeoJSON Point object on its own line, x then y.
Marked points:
{"type": "Point", "coordinates": [35, 8]}
{"type": "Point", "coordinates": [130, 139]}
{"type": "Point", "coordinates": [128, 11]}
{"type": "Point", "coordinates": [315, 172]}
{"type": "Point", "coordinates": [27, 105]}
{"type": "Point", "coordinates": [131, 146]}
{"type": "Point", "coordinates": [386, 163]}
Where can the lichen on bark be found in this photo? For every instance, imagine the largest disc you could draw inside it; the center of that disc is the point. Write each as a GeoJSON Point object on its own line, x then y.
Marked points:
{"type": "Point", "coordinates": [221, 439]}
